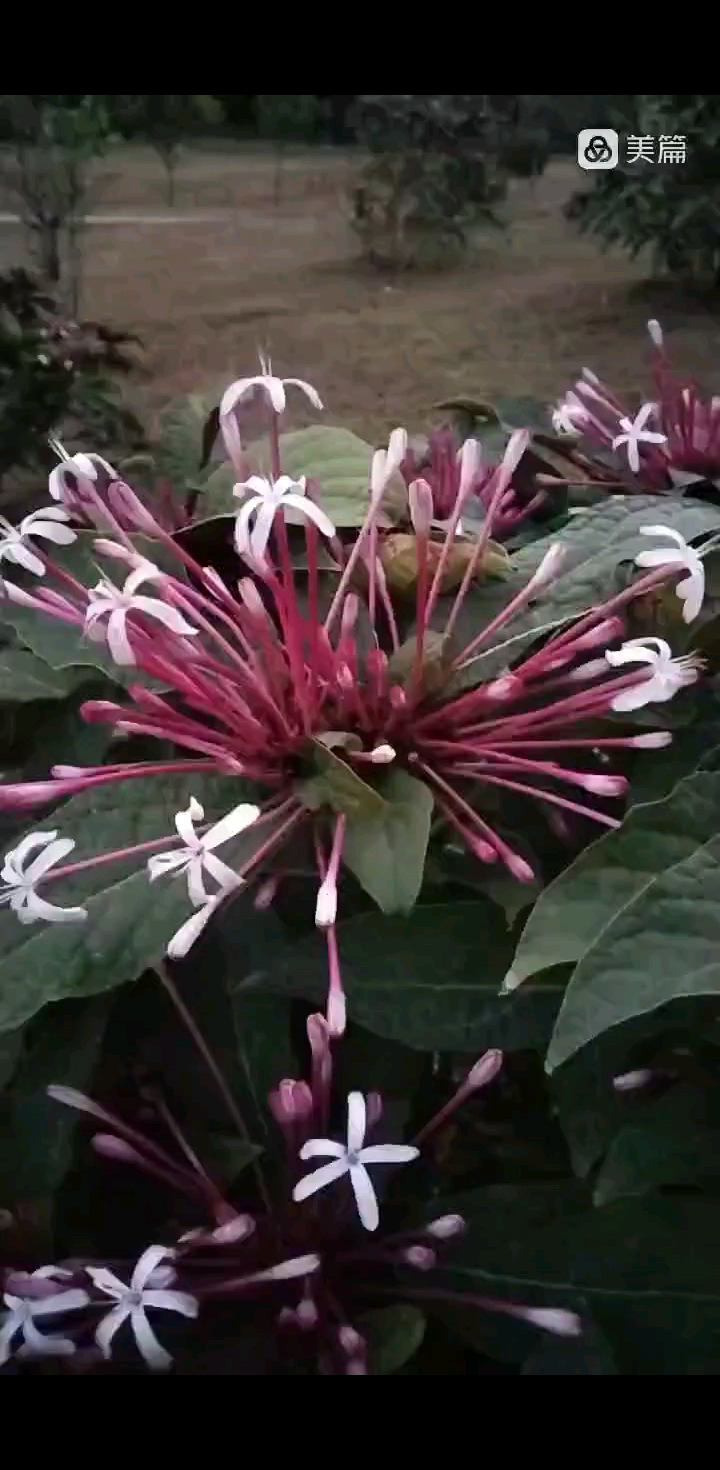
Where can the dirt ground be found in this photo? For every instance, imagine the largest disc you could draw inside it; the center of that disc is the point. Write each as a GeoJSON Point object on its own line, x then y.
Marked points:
{"type": "Point", "coordinates": [236, 272]}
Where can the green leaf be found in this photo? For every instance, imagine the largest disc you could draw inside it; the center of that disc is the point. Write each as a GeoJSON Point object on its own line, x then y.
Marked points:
{"type": "Point", "coordinates": [64, 1047]}
{"type": "Point", "coordinates": [128, 924]}
{"type": "Point", "coordinates": [23, 677]}
{"type": "Point", "coordinates": [573, 910]}
{"type": "Point", "coordinates": [429, 980]}
{"type": "Point", "coordinates": [663, 945]}
{"type": "Point", "coordinates": [262, 1029]}
{"type": "Point", "coordinates": [386, 850]}
{"type": "Point", "coordinates": [393, 1335]}
{"type": "Point", "coordinates": [668, 1141]}
{"type": "Point", "coordinates": [337, 785]}
{"type": "Point", "coordinates": [178, 446]}
{"type": "Point", "coordinates": [523, 412]}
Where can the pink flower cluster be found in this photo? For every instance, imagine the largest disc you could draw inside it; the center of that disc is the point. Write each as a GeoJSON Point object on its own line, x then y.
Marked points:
{"type": "Point", "coordinates": [255, 680]}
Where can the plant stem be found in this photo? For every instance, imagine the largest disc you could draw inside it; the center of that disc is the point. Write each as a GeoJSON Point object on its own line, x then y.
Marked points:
{"type": "Point", "coordinates": [216, 1074]}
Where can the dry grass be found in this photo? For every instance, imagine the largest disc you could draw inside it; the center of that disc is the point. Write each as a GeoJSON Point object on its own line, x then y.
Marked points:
{"type": "Point", "coordinates": [521, 317]}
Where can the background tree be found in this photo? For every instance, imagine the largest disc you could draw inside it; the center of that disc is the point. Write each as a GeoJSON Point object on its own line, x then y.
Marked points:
{"type": "Point", "coordinates": [165, 123]}
{"type": "Point", "coordinates": [673, 208]}
{"type": "Point", "coordinates": [285, 118]}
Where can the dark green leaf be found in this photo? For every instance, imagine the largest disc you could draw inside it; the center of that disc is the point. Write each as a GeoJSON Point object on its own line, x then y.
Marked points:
{"type": "Point", "coordinates": [393, 1335]}
{"type": "Point", "coordinates": [337, 786]}
{"type": "Point", "coordinates": [386, 850]}
{"type": "Point", "coordinates": [24, 677]}
{"type": "Point", "coordinates": [572, 911]}
{"type": "Point", "coordinates": [669, 1140]}
{"type": "Point", "coordinates": [662, 945]}
{"type": "Point", "coordinates": [128, 924]}
{"type": "Point", "coordinates": [337, 459]}
{"type": "Point", "coordinates": [429, 980]}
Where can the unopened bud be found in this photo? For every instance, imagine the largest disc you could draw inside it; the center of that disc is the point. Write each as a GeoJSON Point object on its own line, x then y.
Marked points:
{"type": "Point", "coordinates": [307, 1314]}
{"type": "Point", "coordinates": [420, 500]}
{"type": "Point", "coordinates": [655, 330]}
{"type": "Point", "coordinates": [336, 1013]}
{"type": "Point", "coordinates": [374, 1109]}
{"type": "Point", "coordinates": [516, 446]}
{"type": "Point", "coordinates": [326, 904]}
{"type": "Point", "coordinates": [266, 893]}
{"type": "Point", "coordinates": [351, 607]}
{"type": "Point", "coordinates": [549, 566]}
{"type": "Point", "coordinates": [291, 1102]}
{"type": "Point", "coordinates": [629, 1081]}
{"type": "Point", "coordinates": [470, 463]}
{"type": "Point", "coordinates": [552, 1319]}
{"type": "Point", "coordinates": [356, 1368]}
{"type": "Point", "coordinates": [382, 755]}
{"type": "Point", "coordinates": [482, 849]}
{"type": "Point", "coordinates": [419, 1256]}
{"type": "Point", "coordinates": [604, 785]}
{"type": "Point", "coordinates": [484, 1070]}
{"type": "Point", "coordinates": [446, 1227]}
{"type": "Point", "coordinates": [350, 1341]}
{"type": "Point", "coordinates": [603, 632]}
{"type": "Point", "coordinates": [591, 377]}
{"type": "Point", "coordinates": [506, 687]}
{"type": "Point", "coordinates": [518, 867]}
{"type": "Point", "coordinates": [657, 740]}
{"type": "Point", "coordinates": [111, 1147]}
{"type": "Point", "coordinates": [232, 1231]}
{"type": "Point", "coordinates": [396, 451]}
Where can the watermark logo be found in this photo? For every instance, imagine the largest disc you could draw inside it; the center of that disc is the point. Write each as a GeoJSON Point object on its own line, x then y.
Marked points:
{"type": "Point", "coordinates": [598, 148]}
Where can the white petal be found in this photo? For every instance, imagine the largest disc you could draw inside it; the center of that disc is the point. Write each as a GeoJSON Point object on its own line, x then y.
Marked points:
{"type": "Point", "coordinates": [197, 891]}
{"type": "Point", "coordinates": [242, 526]}
{"type": "Point", "coordinates": [313, 513]}
{"type": "Point", "coordinates": [38, 1345]}
{"type": "Point", "coordinates": [117, 639]}
{"type": "Point", "coordinates": [60, 535]}
{"type": "Point", "coordinates": [106, 1280]}
{"type": "Point", "coordinates": [275, 392]}
{"type": "Point", "coordinates": [183, 941]}
{"type": "Point", "coordinates": [319, 1178]}
{"type": "Point", "coordinates": [317, 1148]}
{"type": "Point", "coordinates": [617, 657]}
{"type": "Point", "coordinates": [25, 558]}
{"type": "Point", "coordinates": [670, 531]}
{"type": "Point", "coordinates": [305, 388]}
{"type": "Point", "coordinates": [185, 823]}
{"type": "Point", "coordinates": [664, 557]}
{"type": "Point", "coordinates": [235, 393]}
{"type": "Point", "coordinates": [231, 825]}
{"type": "Point", "coordinates": [226, 877]}
{"type": "Point", "coordinates": [634, 698]}
{"type": "Point", "coordinates": [145, 571]}
{"type": "Point", "coordinates": [39, 908]}
{"type": "Point", "coordinates": [147, 1263]}
{"type": "Point", "coordinates": [259, 485]}
{"type": "Point", "coordinates": [389, 1153]}
{"type": "Point", "coordinates": [365, 1197]}
{"type": "Point", "coordinates": [167, 862]}
{"type": "Point", "coordinates": [357, 1121]}
{"type": "Point", "coordinates": [10, 1326]}
{"type": "Point", "coordinates": [65, 1301]}
{"type": "Point", "coordinates": [170, 618]}
{"type": "Point", "coordinates": [692, 591]}
{"type": "Point", "coordinates": [397, 450]}
{"type": "Point", "coordinates": [17, 857]}
{"type": "Point", "coordinates": [260, 534]}
{"type": "Point", "coordinates": [152, 1351]}
{"type": "Point", "coordinates": [108, 1327]}
{"type": "Point", "coordinates": [53, 853]}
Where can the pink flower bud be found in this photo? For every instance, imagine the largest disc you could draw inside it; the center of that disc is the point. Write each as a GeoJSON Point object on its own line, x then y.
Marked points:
{"type": "Point", "coordinates": [307, 1314]}
{"type": "Point", "coordinates": [655, 330]}
{"type": "Point", "coordinates": [518, 867]}
{"type": "Point", "coordinates": [446, 1227]}
{"type": "Point", "coordinates": [654, 741]}
{"type": "Point", "coordinates": [420, 499]}
{"type": "Point", "coordinates": [551, 1319]}
{"type": "Point", "coordinates": [508, 686]}
{"type": "Point", "coordinates": [232, 1231]}
{"type": "Point", "coordinates": [470, 463]}
{"type": "Point", "coordinates": [485, 1070]}
{"type": "Point", "coordinates": [604, 785]}
{"type": "Point", "coordinates": [629, 1081]}
{"type": "Point", "coordinates": [336, 1013]}
{"type": "Point", "coordinates": [291, 1102]}
{"type": "Point", "coordinates": [549, 566]}
{"type": "Point", "coordinates": [419, 1256]}
{"type": "Point", "coordinates": [350, 1341]}
{"type": "Point", "coordinates": [326, 904]}
{"type": "Point", "coordinates": [382, 755]}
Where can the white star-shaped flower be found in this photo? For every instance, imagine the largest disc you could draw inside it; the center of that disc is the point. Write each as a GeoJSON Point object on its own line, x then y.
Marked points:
{"type": "Point", "coordinates": [115, 604]}
{"type": "Point", "coordinates": [691, 590]}
{"type": "Point", "coordinates": [148, 1288]}
{"type": "Point", "coordinates": [21, 1315]}
{"type": "Point", "coordinates": [21, 879]}
{"type": "Point", "coordinates": [634, 434]}
{"type": "Point", "coordinates": [197, 857]}
{"type": "Point", "coordinates": [46, 523]}
{"type": "Point", "coordinates": [263, 503]}
{"type": "Point", "coordinates": [246, 391]}
{"type": "Point", "coordinates": [351, 1159]}
{"type": "Point", "coordinates": [666, 675]}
